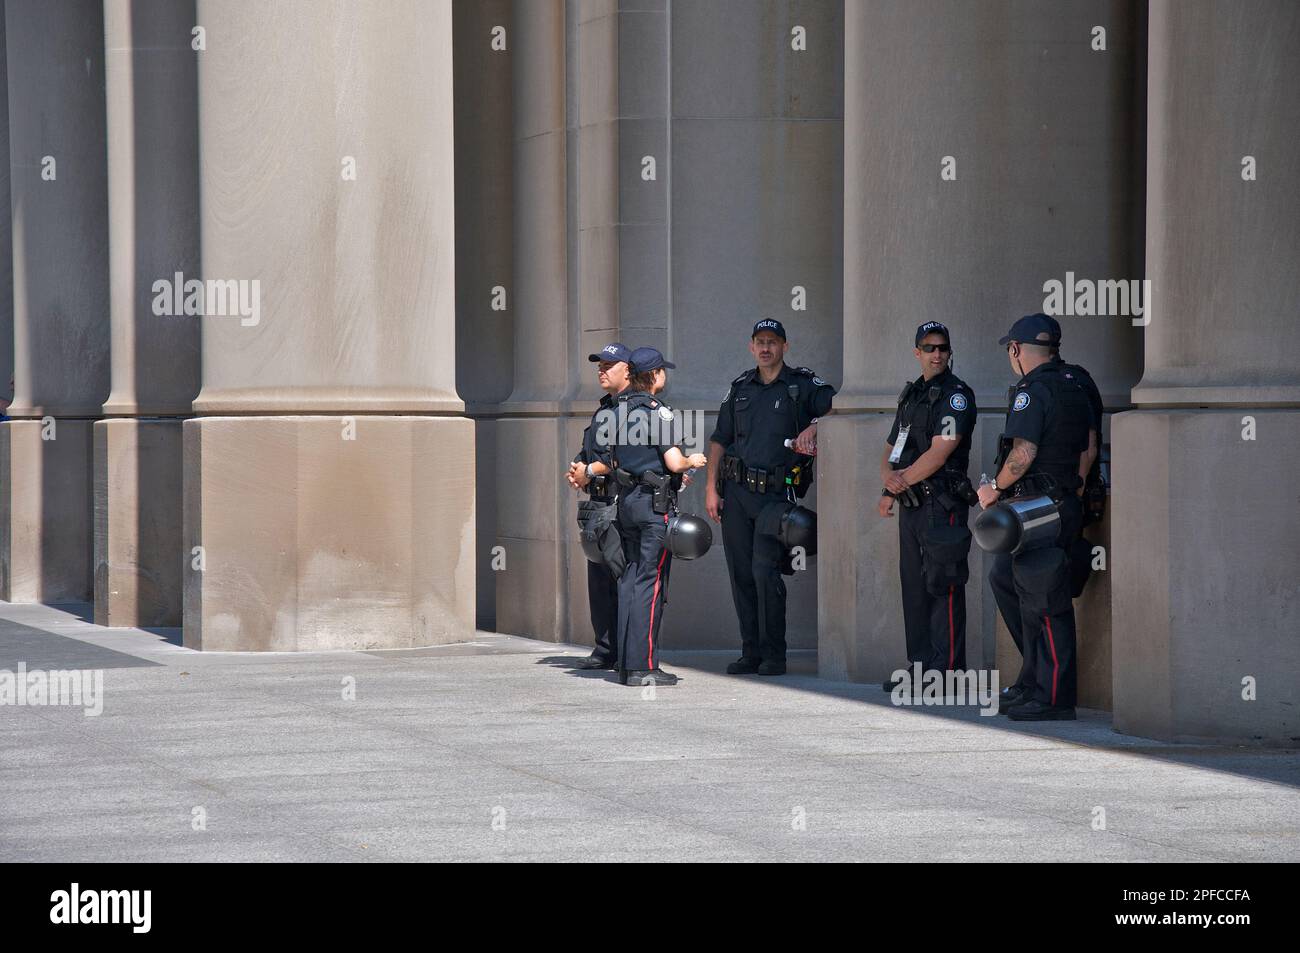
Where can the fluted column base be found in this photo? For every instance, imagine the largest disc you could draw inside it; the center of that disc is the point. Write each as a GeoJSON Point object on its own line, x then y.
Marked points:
{"type": "Point", "coordinates": [313, 533]}
{"type": "Point", "coordinates": [1206, 544]}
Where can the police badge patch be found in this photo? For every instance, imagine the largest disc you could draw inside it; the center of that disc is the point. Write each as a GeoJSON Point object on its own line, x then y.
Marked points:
{"type": "Point", "coordinates": [957, 401]}
{"type": "Point", "coordinates": [665, 413]}
{"type": "Point", "coordinates": [1022, 401]}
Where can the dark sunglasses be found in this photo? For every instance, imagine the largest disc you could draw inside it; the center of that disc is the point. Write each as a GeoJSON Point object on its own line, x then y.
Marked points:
{"type": "Point", "coordinates": [931, 348]}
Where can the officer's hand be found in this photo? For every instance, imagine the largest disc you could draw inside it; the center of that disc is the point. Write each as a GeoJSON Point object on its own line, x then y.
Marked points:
{"type": "Point", "coordinates": [806, 442]}
{"type": "Point", "coordinates": [895, 483]}
{"type": "Point", "coordinates": [713, 503]}
{"type": "Point", "coordinates": [886, 506]}
{"type": "Point", "coordinates": [698, 460]}
{"type": "Point", "coordinates": [988, 496]}
{"type": "Point", "coordinates": [577, 475]}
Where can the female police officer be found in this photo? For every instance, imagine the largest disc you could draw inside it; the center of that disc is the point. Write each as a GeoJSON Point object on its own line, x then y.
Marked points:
{"type": "Point", "coordinates": [646, 463]}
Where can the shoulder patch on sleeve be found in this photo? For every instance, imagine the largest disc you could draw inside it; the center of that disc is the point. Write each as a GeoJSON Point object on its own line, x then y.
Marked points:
{"type": "Point", "coordinates": [1022, 401]}
{"type": "Point", "coordinates": [957, 401]}
{"type": "Point", "coordinates": [665, 412]}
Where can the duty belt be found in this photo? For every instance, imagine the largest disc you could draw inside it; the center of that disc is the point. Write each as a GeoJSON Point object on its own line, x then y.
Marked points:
{"type": "Point", "coordinates": [754, 479]}
{"type": "Point", "coordinates": [946, 488]}
{"type": "Point", "coordinates": [1040, 484]}
{"type": "Point", "coordinates": [663, 486]}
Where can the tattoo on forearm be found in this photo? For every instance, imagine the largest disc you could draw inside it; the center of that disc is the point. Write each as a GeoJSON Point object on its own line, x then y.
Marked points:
{"type": "Point", "coordinates": [1021, 456]}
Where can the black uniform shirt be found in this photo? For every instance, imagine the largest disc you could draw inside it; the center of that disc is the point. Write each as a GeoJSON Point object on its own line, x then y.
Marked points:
{"type": "Point", "coordinates": [756, 419]}
{"type": "Point", "coordinates": [951, 412]}
{"type": "Point", "coordinates": [642, 434]}
{"type": "Point", "coordinates": [590, 452]}
{"type": "Point", "coordinates": [1052, 412]}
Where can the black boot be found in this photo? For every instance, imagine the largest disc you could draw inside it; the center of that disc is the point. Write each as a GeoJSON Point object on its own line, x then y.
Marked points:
{"type": "Point", "coordinates": [653, 677]}
{"type": "Point", "coordinates": [1038, 711]}
{"type": "Point", "coordinates": [744, 666]}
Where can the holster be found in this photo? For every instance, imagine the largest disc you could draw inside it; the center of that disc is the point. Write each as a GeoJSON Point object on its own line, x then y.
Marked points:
{"type": "Point", "coordinates": [664, 489]}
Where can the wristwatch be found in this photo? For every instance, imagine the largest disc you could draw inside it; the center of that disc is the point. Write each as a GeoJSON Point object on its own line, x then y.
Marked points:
{"type": "Point", "coordinates": [994, 483]}
{"type": "Point", "coordinates": [590, 475]}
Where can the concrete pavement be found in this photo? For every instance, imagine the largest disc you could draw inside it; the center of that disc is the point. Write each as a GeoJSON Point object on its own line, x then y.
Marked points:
{"type": "Point", "coordinates": [497, 750]}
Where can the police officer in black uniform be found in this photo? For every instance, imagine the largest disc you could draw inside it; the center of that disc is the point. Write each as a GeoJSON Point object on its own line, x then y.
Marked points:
{"type": "Point", "coordinates": [591, 471]}
{"type": "Point", "coordinates": [647, 468]}
{"type": "Point", "coordinates": [750, 468]}
{"type": "Point", "coordinates": [1046, 435]}
{"type": "Point", "coordinates": [1092, 488]}
{"type": "Point", "coordinates": [924, 468]}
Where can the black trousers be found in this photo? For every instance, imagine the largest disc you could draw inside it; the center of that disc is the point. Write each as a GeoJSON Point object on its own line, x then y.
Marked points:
{"type": "Point", "coordinates": [602, 597]}
{"type": "Point", "coordinates": [643, 589]}
{"type": "Point", "coordinates": [934, 608]}
{"type": "Point", "coordinates": [754, 564]}
{"type": "Point", "coordinates": [1046, 640]}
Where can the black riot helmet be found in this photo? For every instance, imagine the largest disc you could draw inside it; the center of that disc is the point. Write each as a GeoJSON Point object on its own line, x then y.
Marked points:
{"type": "Point", "coordinates": [1014, 526]}
{"type": "Point", "coordinates": [689, 537]}
{"type": "Point", "coordinates": [791, 524]}
{"type": "Point", "coordinates": [799, 528]}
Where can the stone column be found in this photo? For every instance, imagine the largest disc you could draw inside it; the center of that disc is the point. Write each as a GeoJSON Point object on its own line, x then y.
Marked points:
{"type": "Point", "coordinates": [1037, 126]}
{"type": "Point", "coordinates": [1207, 535]}
{"type": "Point", "coordinates": [747, 208]}
{"type": "Point", "coordinates": [153, 183]}
{"type": "Point", "coordinates": [6, 244]}
{"type": "Point", "coordinates": [565, 302]}
{"type": "Point", "coordinates": [60, 297]}
{"type": "Point", "coordinates": [484, 42]}
{"type": "Point", "coordinates": [329, 494]}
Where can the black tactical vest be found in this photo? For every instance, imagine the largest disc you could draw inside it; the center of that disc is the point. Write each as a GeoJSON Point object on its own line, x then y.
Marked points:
{"type": "Point", "coordinates": [1065, 434]}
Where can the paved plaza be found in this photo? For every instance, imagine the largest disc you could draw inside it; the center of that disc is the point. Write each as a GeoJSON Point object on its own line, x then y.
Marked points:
{"type": "Point", "coordinates": [498, 750]}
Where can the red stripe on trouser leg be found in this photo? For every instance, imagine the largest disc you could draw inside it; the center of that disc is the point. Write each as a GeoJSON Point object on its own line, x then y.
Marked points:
{"type": "Point", "coordinates": [1056, 668]}
{"type": "Point", "coordinates": [654, 597]}
{"type": "Point", "coordinates": [952, 632]}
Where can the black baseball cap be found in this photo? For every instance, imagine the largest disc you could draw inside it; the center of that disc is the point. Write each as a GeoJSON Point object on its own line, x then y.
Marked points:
{"type": "Point", "coordinates": [1028, 329]}
{"type": "Point", "coordinates": [612, 352]}
{"type": "Point", "coordinates": [648, 359]}
{"type": "Point", "coordinates": [769, 324]}
{"type": "Point", "coordinates": [932, 327]}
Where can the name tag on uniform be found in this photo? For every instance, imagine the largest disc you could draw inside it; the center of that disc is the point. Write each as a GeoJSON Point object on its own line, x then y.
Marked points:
{"type": "Point", "coordinates": [897, 453]}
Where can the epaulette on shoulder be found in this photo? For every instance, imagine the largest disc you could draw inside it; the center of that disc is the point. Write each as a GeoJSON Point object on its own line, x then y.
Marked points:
{"type": "Point", "coordinates": [743, 377]}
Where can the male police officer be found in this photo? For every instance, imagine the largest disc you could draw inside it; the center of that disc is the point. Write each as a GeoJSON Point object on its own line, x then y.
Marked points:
{"type": "Point", "coordinates": [924, 468]}
{"type": "Point", "coordinates": [602, 586]}
{"type": "Point", "coordinates": [1092, 489]}
{"type": "Point", "coordinates": [1048, 419]}
{"type": "Point", "coordinates": [750, 468]}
